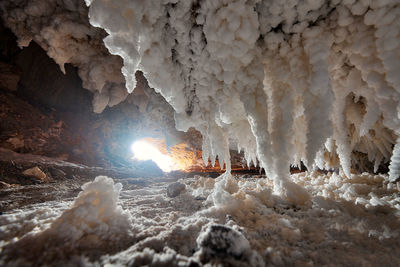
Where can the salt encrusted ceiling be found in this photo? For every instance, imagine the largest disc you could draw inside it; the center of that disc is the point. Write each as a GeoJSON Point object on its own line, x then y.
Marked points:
{"type": "Point", "coordinates": [62, 29]}
{"type": "Point", "coordinates": [287, 81]}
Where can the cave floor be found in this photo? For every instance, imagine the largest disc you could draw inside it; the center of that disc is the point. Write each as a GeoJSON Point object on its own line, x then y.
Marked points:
{"type": "Point", "coordinates": [347, 222]}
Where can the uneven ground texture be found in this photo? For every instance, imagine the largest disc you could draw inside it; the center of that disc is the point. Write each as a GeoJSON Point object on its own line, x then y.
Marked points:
{"type": "Point", "coordinates": [231, 220]}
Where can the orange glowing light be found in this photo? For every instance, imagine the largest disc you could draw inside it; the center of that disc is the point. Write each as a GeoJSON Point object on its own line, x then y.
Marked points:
{"type": "Point", "coordinates": [177, 157]}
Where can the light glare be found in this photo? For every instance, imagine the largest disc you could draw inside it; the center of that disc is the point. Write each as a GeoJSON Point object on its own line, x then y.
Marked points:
{"type": "Point", "coordinates": [145, 151]}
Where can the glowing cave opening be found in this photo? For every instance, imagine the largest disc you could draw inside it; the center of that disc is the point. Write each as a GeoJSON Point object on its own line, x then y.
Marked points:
{"type": "Point", "coordinates": [143, 150]}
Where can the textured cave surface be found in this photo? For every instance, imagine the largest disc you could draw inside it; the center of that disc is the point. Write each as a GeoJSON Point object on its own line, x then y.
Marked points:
{"type": "Point", "coordinates": [46, 112]}
{"type": "Point", "coordinates": [297, 100]}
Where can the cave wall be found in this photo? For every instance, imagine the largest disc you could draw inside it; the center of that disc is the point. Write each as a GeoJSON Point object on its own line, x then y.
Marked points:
{"type": "Point", "coordinates": [39, 93]}
{"type": "Point", "coordinates": [47, 112]}
{"type": "Point", "coordinates": [333, 116]}
{"type": "Point", "coordinates": [61, 28]}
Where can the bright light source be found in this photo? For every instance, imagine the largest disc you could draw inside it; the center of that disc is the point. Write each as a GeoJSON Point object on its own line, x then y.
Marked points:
{"type": "Point", "coordinates": [145, 151]}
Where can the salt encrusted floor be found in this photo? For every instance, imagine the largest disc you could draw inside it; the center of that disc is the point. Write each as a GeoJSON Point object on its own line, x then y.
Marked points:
{"type": "Point", "coordinates": [349, 222]}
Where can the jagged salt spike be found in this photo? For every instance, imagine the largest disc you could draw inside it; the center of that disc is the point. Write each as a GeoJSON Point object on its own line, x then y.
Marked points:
{"type": "Point", "coordinates": [370, 117]}
{"type": "Point", "coordinates": [378, 161]}
{"type": "Point", "coordinates": [205, 150]}
{"type": "Point", "coordinates": [212, 157]}
{"type": "Point", "coordinates": [394, 167]}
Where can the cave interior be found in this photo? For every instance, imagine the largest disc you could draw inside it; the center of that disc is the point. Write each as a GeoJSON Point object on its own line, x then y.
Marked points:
{"type": "Point", "coordinates": [199, 133]}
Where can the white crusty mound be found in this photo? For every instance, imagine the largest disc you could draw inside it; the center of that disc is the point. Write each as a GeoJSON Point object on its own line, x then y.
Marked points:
{"type": "Point", "coordinates": [94, 212]}
{"type": "Point", "coordinates": [95, 223]}
{"type": "Point", "coordinates": [286, 81]}
{"type": "Point", "coordinates": [236, 221]}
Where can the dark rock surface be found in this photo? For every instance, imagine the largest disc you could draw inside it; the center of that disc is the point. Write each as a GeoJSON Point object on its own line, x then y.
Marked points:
{"type": "Point", "coordinates": [220, 244]}
{"type": "Point", "coordinates": [174, 189]}
{"type": "Point", "coordinates": [9, 77]}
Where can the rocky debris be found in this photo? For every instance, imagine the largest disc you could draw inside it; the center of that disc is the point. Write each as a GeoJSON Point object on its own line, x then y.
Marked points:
{"type": "Point", "coordinates": [9, 77]}
{"type": "Point", "coordinates": [174, 189]}
{"type": "Point", "coordinates": [200, 198]}
{"type": "Point", "coordinates": [18, 189]}
{"type": "Point", "coordinates": [57, 173]}
{"type": "Point", "coordinates": [25, 128]}
{"type": "Point", "coordinates": [36, 172]}
{"type": "Point", "coordinates": [220, 244]}
{"type": "Point", "coordinates": [4, 185]}
{"type": "Point", "coordinates": [16, 142]}
{"type": "Point", "coordinates": [12, 166]}
{"type": "Point", "coordinates": [221, 239]}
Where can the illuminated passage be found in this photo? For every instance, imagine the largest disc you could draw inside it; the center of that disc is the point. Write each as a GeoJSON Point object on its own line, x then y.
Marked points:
{"type": "Point", "coordinates": [145, 151]}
